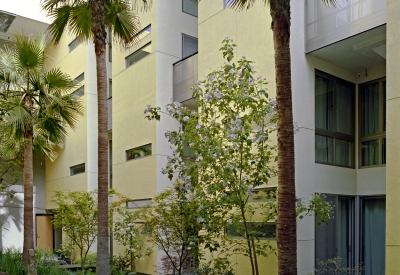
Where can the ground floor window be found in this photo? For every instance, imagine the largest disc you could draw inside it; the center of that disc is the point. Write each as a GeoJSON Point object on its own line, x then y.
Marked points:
{"type": "Point", "coordinates": [356, 234]}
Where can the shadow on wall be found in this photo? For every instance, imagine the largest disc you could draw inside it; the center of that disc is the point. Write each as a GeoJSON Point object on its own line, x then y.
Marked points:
{"type": "Point", "coordinates": [11, 220]}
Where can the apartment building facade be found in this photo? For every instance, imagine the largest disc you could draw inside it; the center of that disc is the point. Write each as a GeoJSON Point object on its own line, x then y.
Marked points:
{"type": "Point", "coordinates": [344, 79]}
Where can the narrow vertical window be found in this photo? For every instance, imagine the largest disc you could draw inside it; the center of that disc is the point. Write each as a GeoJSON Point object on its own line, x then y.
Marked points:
{"type": "Point", "coordinates": [110, 88]}
{"type": "Point", "coordinates": [334, 121]}
{"type": "Point", "coordinates": [373, 123]}
{"type": "Point", "coordinates": [189, 45]}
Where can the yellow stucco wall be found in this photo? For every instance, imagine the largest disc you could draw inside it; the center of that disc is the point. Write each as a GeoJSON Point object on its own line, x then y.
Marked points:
{"type": "Point", "coordinates": [250, 30]}
{"type": "Point", "coordinates": [75, 149]}
{"type": "Point", "coordinates": [392, 134]}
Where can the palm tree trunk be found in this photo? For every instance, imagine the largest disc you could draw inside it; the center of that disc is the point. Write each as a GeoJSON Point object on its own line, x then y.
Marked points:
{"type": "Point", "coordinates": [28, 202]}
{"type": "Point", "coordinates": [286, 231]}
{"type": "Point", "coordinates": [99, 31]}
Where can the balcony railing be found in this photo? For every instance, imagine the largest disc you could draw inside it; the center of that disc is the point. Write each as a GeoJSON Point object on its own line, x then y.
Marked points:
{"type": "Point", "coordinates": [185, 75]}
{"type": "Point", "coordinates": [327, 24]}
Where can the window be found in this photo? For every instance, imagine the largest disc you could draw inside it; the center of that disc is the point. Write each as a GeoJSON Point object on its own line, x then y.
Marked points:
{"type": "Point", "coordinates": [261, 230]}
{"type": "Point", "coordinates": [227, 3]}
{"type": "Point", "coordinates": [79, 92]}
{"type": "Point", "coordinates": [138, 152]}
{"type": "Point", "coordinates": [189, 45]}
{"type": "Point", "coordinates": [109, 42]}
{"type": "Point", "coordinates": [138, 55]}
{"type": "Point", "coordinates": [77, 169]}
{"type": "Point", "coordinates": [334, 121]}
{"type": "Point", "coordinates": [75, 43]}
{"type": "Point", "coordinates": [190, 7]}
{"type": "Point", "coordinates": [80, 78]}
{"type": "Point", "coordinates": [373, 123]}
{"type": "Point", "coordinates": [342, 238]}
{"type": "Point", "coordinates": [143, 33]}
{"type": "Point", "coordinates": [110, 88]}
{"type": "Point", "coordinates": [136, 204]}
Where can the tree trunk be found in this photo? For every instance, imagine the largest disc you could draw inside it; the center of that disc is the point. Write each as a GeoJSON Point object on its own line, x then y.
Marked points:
{"type": "Point", "coordinates": [28, 199]}
{"type": "Point", "coordinates": [286, 231]}
{"type": "Point", "coordinates": [99, 32]}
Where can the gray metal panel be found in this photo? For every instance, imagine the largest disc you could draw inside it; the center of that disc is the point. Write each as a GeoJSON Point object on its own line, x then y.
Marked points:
{"type": "Point", "coordinates": [326, 24]}
{"type": "Point", "coordinates": [185, 75]}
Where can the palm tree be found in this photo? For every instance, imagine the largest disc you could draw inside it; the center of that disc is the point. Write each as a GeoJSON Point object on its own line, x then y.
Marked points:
{"type": "Point", "coordinates": [89, 20]}
{"type": "Point", "coordinates": [286, 228]}
{"type": "Point", "coordinates": [37, 110]}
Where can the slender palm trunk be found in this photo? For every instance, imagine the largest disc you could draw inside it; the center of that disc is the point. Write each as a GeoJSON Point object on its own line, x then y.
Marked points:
{"type": "Point", "coordinates": [28, 202]}
{"type": "Point", "coordinates": [286, 232]}
{"type": "Point", "coordinates": [99, 31]}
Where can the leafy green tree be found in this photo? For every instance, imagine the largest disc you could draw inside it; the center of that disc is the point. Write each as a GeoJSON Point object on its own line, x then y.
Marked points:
{"type": "Point", "coordinates": [89, 20]}
{"type": "Point", "coordinates": [280, 25]}
{"type": "Point", "coordinates": [231, 150]}
{"type": "Point", "coordinates": [131, 234]}
{"type": "Point", "coordinates": [37, 110]}
{"type": "Point", "coordinates": [76, 214]}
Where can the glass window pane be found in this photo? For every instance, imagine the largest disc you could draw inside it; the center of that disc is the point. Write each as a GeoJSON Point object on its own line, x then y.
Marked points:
{"type": "Point", "coordinates": [369, 104]}
{"type": "Point", "coordinates": [190, 45]}
{"type": "Point", "coordinates": [345, 231]}
{"type": "Point", "coordinates": [344, 152]}
{"type": "Point", "coordinates": [190, 6]}
{"type": "Point", "coordinates": [369, 153]}
{"type": "Point", "coordinates": [384, 151]}
{"type": "Point", "coordinates": [344, 108]}
{"type": "Point", "coordinates": [138, 152]}
{"type": "Point", "coordinates": [138, 55]}
{"type": "Point", "coordinates": [325, 237]}
{"type": "Point", "coordinates": [323, 149]}
{"type": "Point", "coordinates": [384, 106]}
{"type": "Point", "coordinates": [373, 236]}
{"type": "Point", "coordinates": [323, 103]}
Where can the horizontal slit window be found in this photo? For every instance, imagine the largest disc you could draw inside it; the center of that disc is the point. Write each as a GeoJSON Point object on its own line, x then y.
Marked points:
{"type": "Point", "coordinates": [79, 92]}
{"type": "Point", "coordinates": [262, 230]}
{"type": "Point", "coordinates": [75, 43]}
{"type": "Point", "coordinates": [136, 204]}
{"type": "Point", "coordinates": [77, 169]}
{"type": "Point", "coordinates": [138, 152]}
{"type": "Point", "coordinates": [138, 55]}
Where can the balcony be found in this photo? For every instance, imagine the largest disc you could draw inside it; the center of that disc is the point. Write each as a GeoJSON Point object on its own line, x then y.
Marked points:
{"type": "Point", "coordinates": [326, 25]}
{"type": "Point", "coordinates": [109, 104]}
{"type": "Point", "coordinates": [185, 75]}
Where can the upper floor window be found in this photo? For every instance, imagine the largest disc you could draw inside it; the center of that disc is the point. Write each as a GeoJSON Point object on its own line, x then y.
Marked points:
{"type": "Point", "coordinates": [138, 55]}
{"type": "Point", "coordinates": [74, 43]}
{"type": "Point", "coordinates": [144, 32]}
{"type": "Point", "coordinates": [138, 152]}
{"type": "Point", "coordinates": [189, 45]}
{"type": "Point", "coordinates": [190, 7]}
{"type": "Point", "coordinates": [373, 123]}
{"type": "Point", "coordinates": [77, 169]}
{"type": "Point", "coordinates": [334, 120]}
{"type": "Point", "coordinates": [81, 90]}
{"type": "Point", "coordinates": [110, 88]}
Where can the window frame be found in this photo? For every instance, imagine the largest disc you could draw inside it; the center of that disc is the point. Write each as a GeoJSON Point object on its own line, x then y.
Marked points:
{"type": "Point", "coordinates": [138, 148]}
{"type": "Point", "coordinates": [334, 134]}
{"type": "Point", "coordinates": [191, 13]}
{"type": "Point", "coordinates": [134, 53]}
{"type": "Point", "coordinates": [381, 135]}
{"type": "Point", "coordinates": [71, 169]}
{"type": "Point", "coordinates": [183, 45]}
{"type": "Point", "coordinates": [72, 45]}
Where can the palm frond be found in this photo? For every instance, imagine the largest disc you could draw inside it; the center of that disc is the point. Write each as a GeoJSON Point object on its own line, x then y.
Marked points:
{"type": "Point", "coordinates": [56, 80]}
{"type": "Point", "coordinates": [123, 23]}
{"type": "Point", "coordinates": [141, 5]}
{"type": "Point", "coordinates": [29, 53]}
{"type": "Point", "coordinates": [60, 18]}
{"type": "Point", "coordinates": [80, 21]}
